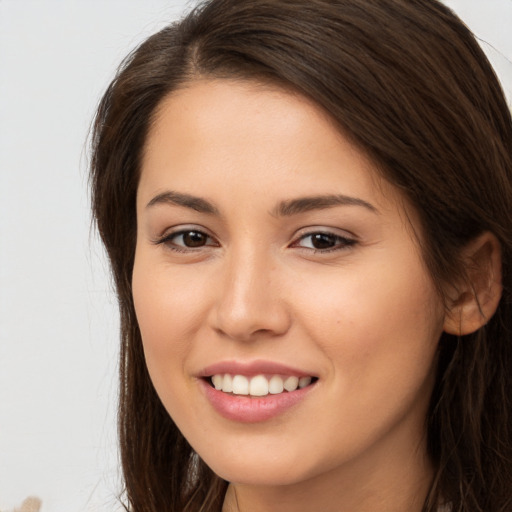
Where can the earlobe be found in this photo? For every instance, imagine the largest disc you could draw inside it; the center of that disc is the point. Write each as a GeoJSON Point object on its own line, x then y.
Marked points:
{"type": "Point", "coordinates": [476, 301]}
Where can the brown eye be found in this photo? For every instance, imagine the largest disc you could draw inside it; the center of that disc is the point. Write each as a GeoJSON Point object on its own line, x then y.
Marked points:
{"type": "Point", "coordinates": [187, 239]}
{"type": "Point", "coordinates": [323, 241]}
{"type": "Point", "coordinates": [193, 239]}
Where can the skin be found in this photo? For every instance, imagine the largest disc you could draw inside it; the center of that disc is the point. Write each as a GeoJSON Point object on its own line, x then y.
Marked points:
{"type": "Point", "coordinates": [364, 317]}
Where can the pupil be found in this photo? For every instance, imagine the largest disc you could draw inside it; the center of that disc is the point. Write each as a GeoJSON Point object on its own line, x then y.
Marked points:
{"type": "Point", "coordinates": [323, 241]}
{"type": "Point", "coordinates": [194, 239]}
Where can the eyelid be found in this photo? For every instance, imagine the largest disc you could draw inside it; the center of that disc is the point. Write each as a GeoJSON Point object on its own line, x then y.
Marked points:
{"type": "Point", "coordinates": [328, 230]}
{"type": "Point", "coordinates": [346, 238]}
{"type": "Point", "coordinates": [173, 232]}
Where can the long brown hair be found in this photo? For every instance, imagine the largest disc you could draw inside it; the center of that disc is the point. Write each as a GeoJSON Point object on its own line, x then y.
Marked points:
{"type": "Point", "coordinates": [407, 82]}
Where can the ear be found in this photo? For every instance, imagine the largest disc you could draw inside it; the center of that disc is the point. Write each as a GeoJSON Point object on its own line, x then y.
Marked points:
{"type": "Point", "coordinates": [472, 304]}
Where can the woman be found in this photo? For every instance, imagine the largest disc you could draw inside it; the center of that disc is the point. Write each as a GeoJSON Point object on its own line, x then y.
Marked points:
{"type": "Point", "coordinates": [306, 205]}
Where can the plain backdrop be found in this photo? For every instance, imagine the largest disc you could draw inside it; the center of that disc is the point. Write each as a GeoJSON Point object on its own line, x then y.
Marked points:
{"type": "Point", "coordinates": [58, 315]}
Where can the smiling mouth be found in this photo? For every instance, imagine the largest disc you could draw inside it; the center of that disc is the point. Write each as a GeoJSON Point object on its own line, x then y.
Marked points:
{"type": "Point", "coordinates": [259, 385]}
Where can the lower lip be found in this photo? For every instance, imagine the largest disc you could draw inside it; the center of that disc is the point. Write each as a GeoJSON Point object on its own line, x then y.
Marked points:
{"type": "Point", "coordinates": [246, 409]}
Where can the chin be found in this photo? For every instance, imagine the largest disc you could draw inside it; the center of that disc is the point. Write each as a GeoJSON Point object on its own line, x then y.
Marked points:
{"type": "Point", "coordinates": [258, 475]}
{"type": "Point", "coordinates": [261, 467]}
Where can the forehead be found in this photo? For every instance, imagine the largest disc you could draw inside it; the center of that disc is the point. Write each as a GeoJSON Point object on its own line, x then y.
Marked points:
{"type": "Point", "coordinates": [245, 131]}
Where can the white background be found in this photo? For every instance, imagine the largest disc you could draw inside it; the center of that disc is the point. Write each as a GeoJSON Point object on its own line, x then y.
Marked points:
{"type": "Point", "coordinates": [58, 316]}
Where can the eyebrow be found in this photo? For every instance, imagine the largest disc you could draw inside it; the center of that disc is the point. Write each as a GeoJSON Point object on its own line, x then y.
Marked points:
{"type": "Point", "coordinates": [306, 204]}
{"type": "Point", "coordinates": [186, 200]}
{"type": "Point", "coordinates": [283, 209]}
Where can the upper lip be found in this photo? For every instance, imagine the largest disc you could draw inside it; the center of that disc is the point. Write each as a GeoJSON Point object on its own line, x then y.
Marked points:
{"type": "Point", "coordinates": [251, 368]}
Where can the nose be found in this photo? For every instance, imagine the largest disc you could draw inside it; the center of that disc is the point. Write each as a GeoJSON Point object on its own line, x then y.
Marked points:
{"type": "Point", "coordinates": [249, 301]}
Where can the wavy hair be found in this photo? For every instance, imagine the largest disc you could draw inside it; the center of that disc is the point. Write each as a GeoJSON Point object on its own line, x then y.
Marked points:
{"type": "Point", "coordinates": [408, 83]}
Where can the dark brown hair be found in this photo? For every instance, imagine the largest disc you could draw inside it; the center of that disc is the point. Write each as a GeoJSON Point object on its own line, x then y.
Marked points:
{"type": "Point", "coordinates": [407, 82]}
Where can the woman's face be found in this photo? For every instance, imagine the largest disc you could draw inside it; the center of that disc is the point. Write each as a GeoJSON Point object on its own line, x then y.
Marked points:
{"type": "Point", "coordinates": [270, 252]}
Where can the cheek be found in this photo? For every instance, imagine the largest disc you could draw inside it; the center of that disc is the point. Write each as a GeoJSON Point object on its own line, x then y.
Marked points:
{"type": "Point", "coordinates": [165, 322]}
{"type": "Point", "coordinates": [167, 319]}
{"type": "Point", "coordinates": [167, 305]}
{"type": "Point", "coordinates": [378, 326]}
{"type": "Point", "coordinates": [379, 331]}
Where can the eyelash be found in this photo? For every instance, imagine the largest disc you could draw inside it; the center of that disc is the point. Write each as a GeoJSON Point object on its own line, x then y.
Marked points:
{"type": "Point", "coordinates": [169, 240]}
{"type": "Point", "coordinates": [340, 242]}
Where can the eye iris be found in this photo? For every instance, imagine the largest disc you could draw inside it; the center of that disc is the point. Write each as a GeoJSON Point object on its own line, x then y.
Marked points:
{"type": "Point", "coordinates": [323, 241]}
{"type": "Point", "coordinates": [194, 239]}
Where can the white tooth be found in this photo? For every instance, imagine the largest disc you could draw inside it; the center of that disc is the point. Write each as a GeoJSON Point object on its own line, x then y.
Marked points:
{"type": "Point", "coordinates": [240, 385]}
{"type": "Point", "coordinates": [291, 383]}
{"type": "Point", "coordinates": [258, 386]}
{"type": "Point", "coordinates": [275, 385]}
{"type": "Point", "coordinates": [227, 385]}
{"type": "Point", "coordinates": [304, 381]}
{"type": "Point", "coordinates": [217, 381]}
